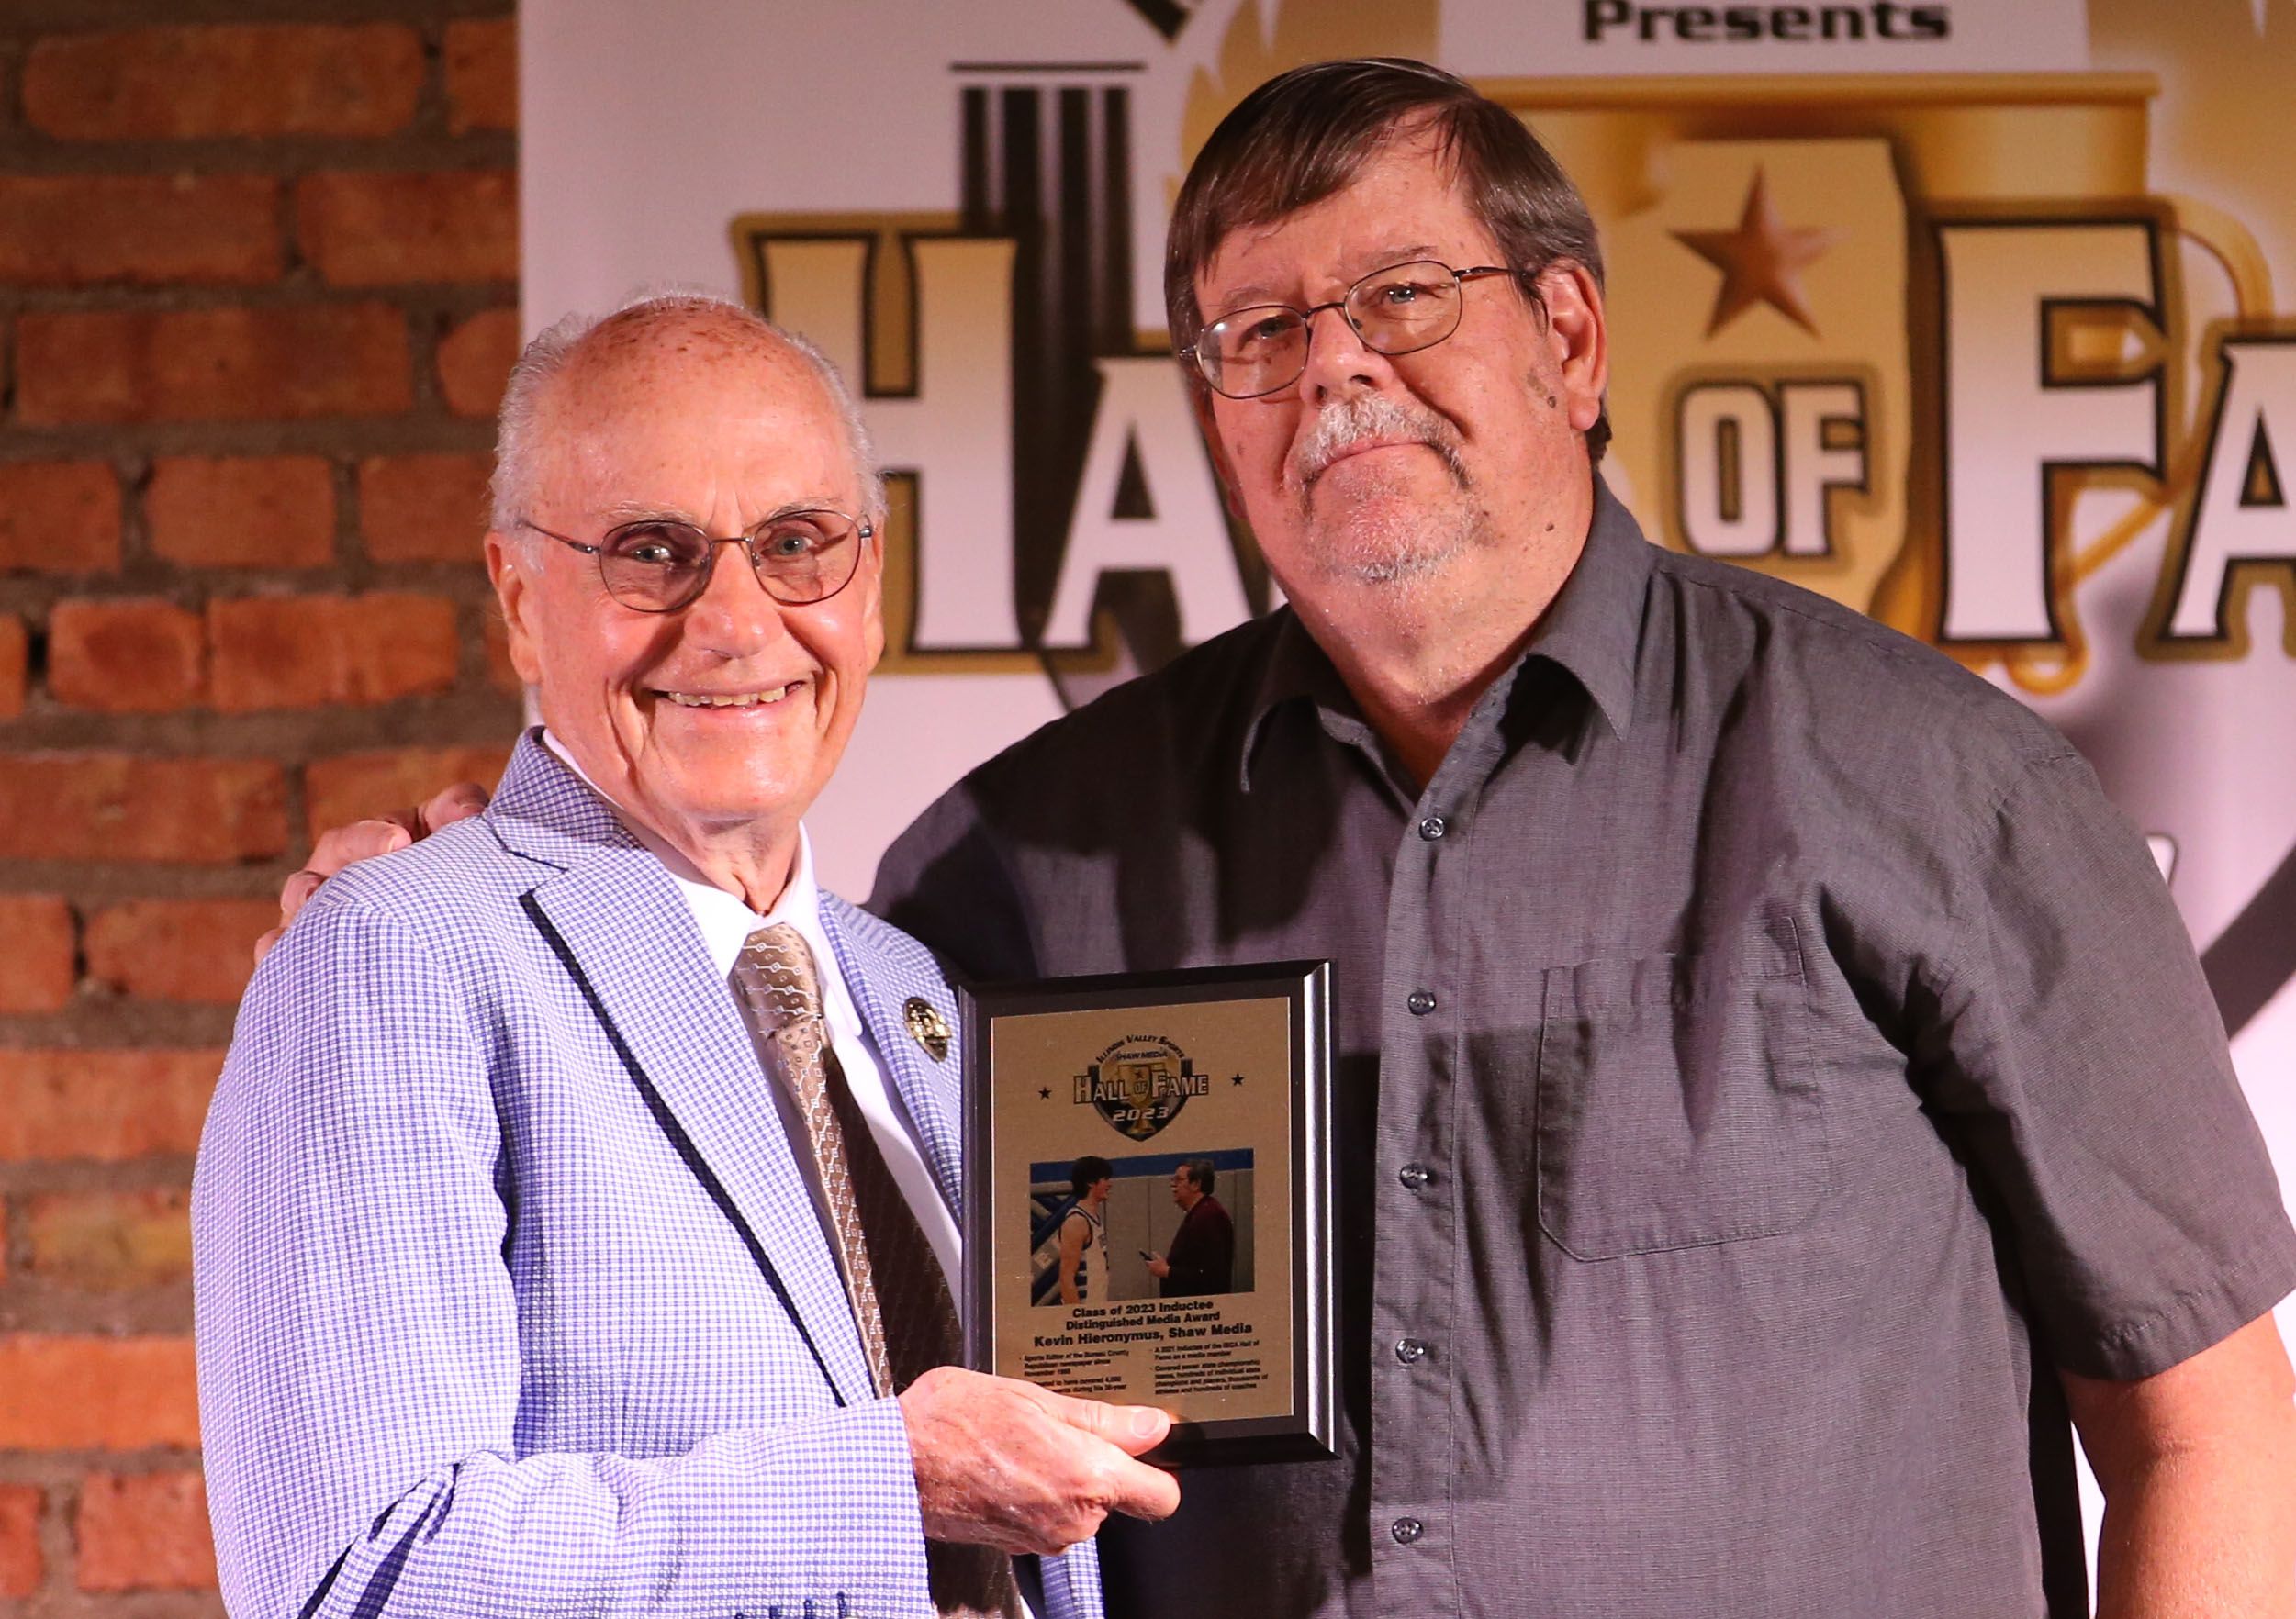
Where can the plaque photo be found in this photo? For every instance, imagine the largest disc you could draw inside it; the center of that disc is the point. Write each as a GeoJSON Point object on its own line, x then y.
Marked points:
{"type": "Point", "coordinates": [1147, 1198]}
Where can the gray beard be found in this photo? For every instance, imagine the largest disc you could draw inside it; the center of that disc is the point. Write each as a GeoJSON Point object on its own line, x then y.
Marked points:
{"type": "Point", "coordinates": [1381, 538]}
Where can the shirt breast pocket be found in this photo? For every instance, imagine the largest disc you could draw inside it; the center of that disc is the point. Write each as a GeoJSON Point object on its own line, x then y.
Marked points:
{"type": "Point", "coordinates": [1678, 1105]}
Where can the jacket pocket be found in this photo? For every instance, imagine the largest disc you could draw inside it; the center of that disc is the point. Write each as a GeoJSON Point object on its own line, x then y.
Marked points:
{"type": "Point", "coordinates": [1676, 1102]}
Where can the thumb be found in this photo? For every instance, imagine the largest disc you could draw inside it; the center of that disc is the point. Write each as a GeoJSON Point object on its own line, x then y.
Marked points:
{"type": "Point", "coordinates": [1132, 1429]}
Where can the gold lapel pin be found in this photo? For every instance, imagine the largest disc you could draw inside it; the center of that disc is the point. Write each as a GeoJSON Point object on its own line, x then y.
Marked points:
{"type": "Point", "coordinates": [927, 1026]}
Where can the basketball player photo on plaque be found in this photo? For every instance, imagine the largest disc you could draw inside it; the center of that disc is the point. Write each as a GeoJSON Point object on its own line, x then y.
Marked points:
{"type": "Point", "coordinates": [1147, 1198]}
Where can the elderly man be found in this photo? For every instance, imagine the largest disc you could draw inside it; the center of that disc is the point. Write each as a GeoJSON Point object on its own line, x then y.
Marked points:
{"type": "Point", "coordinates": [573, 1225]}
{"type": "Point", "coordinates": [1775, 1087]}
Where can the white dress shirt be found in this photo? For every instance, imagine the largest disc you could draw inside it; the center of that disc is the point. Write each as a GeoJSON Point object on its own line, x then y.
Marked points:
{"type": "Point", "coordinates": [726, 922]}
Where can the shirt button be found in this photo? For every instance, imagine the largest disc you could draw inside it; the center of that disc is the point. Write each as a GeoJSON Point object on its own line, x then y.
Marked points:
{"type": "Point", "coordinates": [1410, 1351]}
{"type": "Point", "coordinates": [1415, 1176]}
{"type": "Point", "coordinates": [1421, 1002]}
{"type": "Point", "coordinates": [1406, 1530]}
{"type": "Point", "coordinates": [1433, 827]}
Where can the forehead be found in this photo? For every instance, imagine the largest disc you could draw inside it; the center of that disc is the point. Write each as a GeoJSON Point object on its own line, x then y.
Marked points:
{"type": "Point", "coordinates": [1403, 202]}
{"type": "Point", "coordinates": [688, 417]}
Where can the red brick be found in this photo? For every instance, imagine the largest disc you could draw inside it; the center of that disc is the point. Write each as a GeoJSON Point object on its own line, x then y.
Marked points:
{"type": "Point", "coordinates": [15, 652]}
{"type": "Point", "coordinates": [145, 1531]}
{"type": "Point", "coordinates": [117, 807]}
{"type": "Point", "coordinates": [59, 516]}
{"type": "Point", "coordinates": [37, 928]}
{"type": "Point", "coordinates": [146, 229]}
{"type": "Point", "coordinates": [275, 511]}
{"type": "Point", "coordinates": [104, 1105]}
{"type": "Point", "coordinates": [102, 1241]}
{"type": "Point", "coordinates": [168, 84]}
{"type": "Point", "coordinates": [21, 1566]}
{"type": "Point", "coordinates": [481, 75]}
{"type": "Point", "coordinates": [130, 655]}
{"type": "Point", "coordinates": [423, 508]}
{"type": "Point", "coordinates": [377, 230]}
{"type": "Point", "coordinates": [94, 1393]}
{"type": "Point", "coordinates": [119, 366]}
{"type": "Point", "coordinates": [307, 652]}
{"type": "Point", "coordinates": [177, 949]}
{"type": "Point", "coordinates": [352, 786]}
{"type": "Point", "coordinates": [475, 361]}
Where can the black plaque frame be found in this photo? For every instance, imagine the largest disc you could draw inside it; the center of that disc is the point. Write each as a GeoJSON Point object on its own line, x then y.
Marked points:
{"type": "Point", "coordinates": [1307, 1431]}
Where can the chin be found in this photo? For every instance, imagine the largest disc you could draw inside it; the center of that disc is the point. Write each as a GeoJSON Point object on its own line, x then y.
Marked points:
{"type": "Point", "coordinates": [728, 799]}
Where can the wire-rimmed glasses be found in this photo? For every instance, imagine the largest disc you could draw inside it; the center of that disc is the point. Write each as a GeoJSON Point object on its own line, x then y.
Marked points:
{"type": "Point", "coordinates": [1398, 310]}
{"type": "Point", "coordinates": [658, 565]}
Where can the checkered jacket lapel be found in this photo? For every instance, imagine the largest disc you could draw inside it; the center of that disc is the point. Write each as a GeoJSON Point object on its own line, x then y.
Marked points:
{"type": "Point", "coordinates": [885, 969]}
{"type": "Point", "coordinates": [619, 923]}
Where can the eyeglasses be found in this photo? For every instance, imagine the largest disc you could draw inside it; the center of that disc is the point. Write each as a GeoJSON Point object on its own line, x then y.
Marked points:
{"type": "Point", "coordinates": [1399, 310]}
{"type": "Point", "coordinates": [658, 566]}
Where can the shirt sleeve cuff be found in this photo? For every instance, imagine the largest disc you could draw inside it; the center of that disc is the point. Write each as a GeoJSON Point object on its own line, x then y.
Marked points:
{"type": "Point", "coordinates": [2195, 1320]}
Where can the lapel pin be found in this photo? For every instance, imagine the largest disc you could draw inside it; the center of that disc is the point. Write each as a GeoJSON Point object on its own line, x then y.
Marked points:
{"type": "Point", "coordinates": [927, 1026]}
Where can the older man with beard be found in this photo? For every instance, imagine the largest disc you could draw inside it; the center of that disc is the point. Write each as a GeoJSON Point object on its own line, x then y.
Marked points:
{"type": "Point", "coordinates": [574, 1223]}
{"type": "Point", "coordinates": [1774, 1086]}
{"type": "Point", "coordinates": [1775, 1089]}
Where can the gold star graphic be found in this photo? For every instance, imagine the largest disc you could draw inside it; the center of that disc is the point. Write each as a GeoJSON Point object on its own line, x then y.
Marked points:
{"type": "Point", "coordinates": [1761, 260]}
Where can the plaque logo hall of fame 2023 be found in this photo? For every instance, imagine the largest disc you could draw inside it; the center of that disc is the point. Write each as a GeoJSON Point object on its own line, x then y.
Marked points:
{"type": "Point", "coordinates": [1963, 316]}
{"type": "Point", "coordinates": [1142, 1245]}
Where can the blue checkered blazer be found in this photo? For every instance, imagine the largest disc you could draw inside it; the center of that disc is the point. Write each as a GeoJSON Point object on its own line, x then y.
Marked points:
{"type": "Point", "coordinates": [510, 1297]}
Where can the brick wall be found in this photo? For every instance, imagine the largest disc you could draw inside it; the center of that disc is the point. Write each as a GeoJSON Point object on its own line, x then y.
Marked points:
{"type": "Point", "coordinates": [257, 268]}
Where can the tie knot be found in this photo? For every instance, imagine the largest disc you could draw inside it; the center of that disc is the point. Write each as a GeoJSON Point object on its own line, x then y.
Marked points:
{"type": "Point", "coordinates": [777, 975]}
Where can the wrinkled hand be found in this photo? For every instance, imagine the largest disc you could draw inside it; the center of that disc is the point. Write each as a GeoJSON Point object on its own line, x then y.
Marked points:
{"type": "Point", "coordinates": [339, 846]}
{"type": "Point", "coordinates": [1009, 1464]}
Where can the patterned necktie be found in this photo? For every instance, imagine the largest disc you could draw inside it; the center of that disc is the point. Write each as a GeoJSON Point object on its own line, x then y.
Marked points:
{"type": "Point", "coordinates": [900, 1294]}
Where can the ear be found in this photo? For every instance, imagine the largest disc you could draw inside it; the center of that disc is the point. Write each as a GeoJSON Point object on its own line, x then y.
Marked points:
{"type": "Point", "coordinates": [870, 582]}
{"type": "Point", "coordinates": [1199, 399]}
{"type": "Point", "coordinates": [1579, 337]}
{"type": "Point", "coordinates": [514, 591]}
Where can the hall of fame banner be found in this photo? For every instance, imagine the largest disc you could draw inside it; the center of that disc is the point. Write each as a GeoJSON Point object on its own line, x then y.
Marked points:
{"type": "Point", "coordinates": [1971, 316]}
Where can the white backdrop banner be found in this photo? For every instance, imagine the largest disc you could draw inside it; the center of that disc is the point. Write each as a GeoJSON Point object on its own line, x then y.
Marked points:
{"type": "Point", "coordinates": [1968, 314]}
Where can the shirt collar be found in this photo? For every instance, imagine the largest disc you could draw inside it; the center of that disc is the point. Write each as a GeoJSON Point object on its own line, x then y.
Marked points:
{"type": "Point", "coordinates": [1593, 629]}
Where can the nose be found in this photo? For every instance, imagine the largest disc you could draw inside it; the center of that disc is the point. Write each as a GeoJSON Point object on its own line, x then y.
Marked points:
{"type": "Point", "coordinates": [733, 616]}
{"type": "Point", "coordinates": [1339, 361]}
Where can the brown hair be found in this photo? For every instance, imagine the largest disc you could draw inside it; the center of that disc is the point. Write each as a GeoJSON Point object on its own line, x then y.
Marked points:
{"type": "Point", "coordinates": [1305, 135]}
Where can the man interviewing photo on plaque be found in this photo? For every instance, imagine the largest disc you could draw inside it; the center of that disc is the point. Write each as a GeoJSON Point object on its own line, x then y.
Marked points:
{"type": "Point", "coordinates": [1776, 1103]}
{"type": "Point", "coordinates": [575, 1222]}
{"type": "Point", "coordinates": [1202, 1255]}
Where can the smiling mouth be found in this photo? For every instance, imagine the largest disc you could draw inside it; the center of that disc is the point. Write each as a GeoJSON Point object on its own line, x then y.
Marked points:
{"type": "Point", "coordinates": [727, 700]}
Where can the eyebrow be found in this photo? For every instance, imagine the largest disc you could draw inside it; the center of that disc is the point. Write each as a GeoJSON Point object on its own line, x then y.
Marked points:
{"type": "Point", "coordinates": [1252, 295]}
{"type": "Point", "coordinates": [635, 511]}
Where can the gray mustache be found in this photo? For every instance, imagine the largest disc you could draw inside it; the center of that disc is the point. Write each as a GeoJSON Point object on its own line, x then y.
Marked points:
{"type": "Point", "coordinates": [1343, 426]}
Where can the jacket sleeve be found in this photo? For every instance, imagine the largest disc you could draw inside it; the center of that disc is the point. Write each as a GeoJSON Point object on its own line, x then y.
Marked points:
{"type": "Point", "coordinates": [360, 1367]}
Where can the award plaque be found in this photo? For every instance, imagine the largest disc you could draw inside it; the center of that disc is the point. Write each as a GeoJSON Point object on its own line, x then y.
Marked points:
{"type": "Point", "coordinates": [1147, 1198]}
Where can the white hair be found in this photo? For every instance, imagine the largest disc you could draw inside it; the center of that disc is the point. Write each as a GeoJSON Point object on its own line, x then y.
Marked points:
{"type": "Point", "coordinates": [510, 490]}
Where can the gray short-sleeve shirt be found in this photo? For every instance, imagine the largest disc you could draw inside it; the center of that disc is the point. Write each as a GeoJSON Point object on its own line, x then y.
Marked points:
{"type": "Point", "coordinates": [1764, 1057]}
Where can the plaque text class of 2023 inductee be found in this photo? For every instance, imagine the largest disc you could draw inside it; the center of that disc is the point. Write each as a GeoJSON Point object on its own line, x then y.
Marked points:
{"type": "Point", "coordinates": [1147, 1198]}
